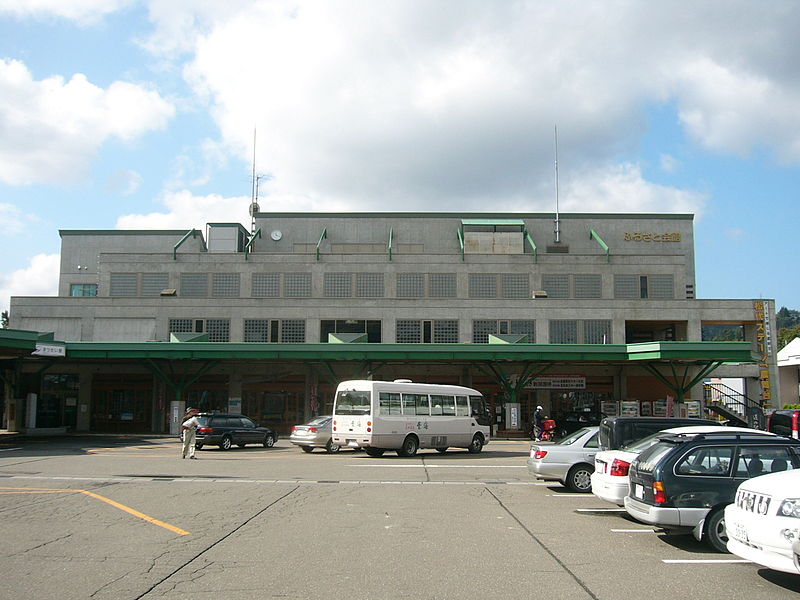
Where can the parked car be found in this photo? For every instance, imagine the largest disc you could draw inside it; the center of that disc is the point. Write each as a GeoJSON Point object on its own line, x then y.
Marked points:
{"type": "Point", "coordinates": [684, 483]}
{"type": "Point", "coordinates": [616, 432]}
{"type": "Point", "coordinates": [785, 422]}
{"type": "Point", "coordinates": [764, 521]}
{"type": "Point", "coordinates": [570, 460]}
{"type": "Point", "coordinates": [610, 478]}
{"type": "Point", "coordinates": [314, 434]}
{"type": "Point", "coordinates": [227, 430]}
{"type": "Point", "coordinates": [574, 420]}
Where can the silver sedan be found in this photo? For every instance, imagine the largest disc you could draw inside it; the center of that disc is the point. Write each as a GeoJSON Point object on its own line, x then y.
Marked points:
{"type": "Point", "coordinates": [314, 434]}
{"type": "Point", "coordinates": [570, 460]}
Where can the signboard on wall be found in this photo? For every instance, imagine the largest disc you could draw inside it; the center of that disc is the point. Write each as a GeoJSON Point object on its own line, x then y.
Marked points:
{"type": "Point", "coordinates": [557, 382]}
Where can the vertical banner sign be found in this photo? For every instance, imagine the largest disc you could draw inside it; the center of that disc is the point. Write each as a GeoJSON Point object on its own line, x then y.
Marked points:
{"type": "Point", "coordinates": [763, 346]}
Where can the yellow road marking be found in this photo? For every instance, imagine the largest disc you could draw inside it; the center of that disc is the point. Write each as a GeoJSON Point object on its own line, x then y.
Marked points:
{"type": "Point", "coordinates": [113, 503]}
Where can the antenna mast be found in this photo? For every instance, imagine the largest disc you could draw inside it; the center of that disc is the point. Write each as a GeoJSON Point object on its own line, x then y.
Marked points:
{"type": "Point", "coordinates": [254, 208]}
{"type": "Point", "coordinates": [557, 222]}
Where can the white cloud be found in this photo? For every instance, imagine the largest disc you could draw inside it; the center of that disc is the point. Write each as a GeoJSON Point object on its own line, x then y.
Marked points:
{"type": "Point", "coordinates": [124, 182]}
{"type": "Point", "coordinates": [84, 12]}
{"type": "Point", "coordinates": [39, 278]}
{"type": "Point", "coordinates": [52, 128]}
{"type": "Point", "coordinates": [669, 163]}
{"type": "Point", "coordinates": [12, 220]}
{"type": "Point", "coordinates": [185, 210]}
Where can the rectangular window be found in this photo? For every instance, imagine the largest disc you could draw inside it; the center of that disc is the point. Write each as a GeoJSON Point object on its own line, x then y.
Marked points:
{"type": "Point", "coordinates": [256, 330]}
{"type": "Point", "coordinates": [597, 332]}
{"type": "Point", "coordinates": [181, 326]}
{"type": "Point", "coordinates": [409, 404]}
{"type": "Point", "coordinates": [219, 330]}
{"type": "Point", "coordinates": [389, 404]}
{"type": "Point", "coordinates": [442, 285]}
{"type": "Point", "coordinates": [338, 285]}
{"type": "Point", "coordinates": [408, 332]}
{"type": "Point", "coordinates": [481, 329]}
{"type": "Point", "coordinates": [266, 285]}
{"type": "Point", "coordinates": [626, 286]}
{"type": "Point", "coordinates": [482, 285]}
{"type": "Point", "coordinates": [124, 284]}
{"type": "Point", "coordinates": [524, 327]}
{"type": "Point", "coordinates": [462, 406]}
{"type": "Point", "coordinates": [297, 285]}
{"type": "Point", "coordinates": [515, 285]}
{"type": "Point", "coordinates": [194, 285]}
{"type": "Point", "coordinates": [410, 285]}
{"type": "Point", "coordinates": [371, 327]}
{"type": "Point", "coordinates": [588, 286]}
{"type": "Point", "coordinates": [83, 289]}
{"type": "Point", "coordinates": [369, 285]}
{"type": "Point", "coordinates": [443, 405]}
{"type": "Point", "coordinates": [556, 286]}
{"type": "Point", "coordinates": [154, 283]}
{"type": "Point", "coordinates": [563, 332]}
{"type": "Point", "coordinates": [293, 331]}
{"type": "Point", "coordinates": [661, 286]}
{"type": "Point", "coordinates": [445, 331]}
{"type": "Point", "coordinates": [225, 285]}
{"type": "Point", "coordinates": [420, 401]}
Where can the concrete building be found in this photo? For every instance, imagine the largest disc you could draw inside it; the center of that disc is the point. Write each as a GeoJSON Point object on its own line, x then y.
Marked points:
{"type": "Point", "coordinates": [420, 281]}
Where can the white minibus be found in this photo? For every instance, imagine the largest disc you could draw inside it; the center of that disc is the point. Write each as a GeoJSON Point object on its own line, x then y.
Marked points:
{"type": "Point", "coordinates": [404, 416]}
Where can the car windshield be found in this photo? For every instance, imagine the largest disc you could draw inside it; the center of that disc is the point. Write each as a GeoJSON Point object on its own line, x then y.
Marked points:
{"type": "Point", "coordinates": [572, 437]}
{"type": "Point", "coordinates": [642, 444]}
{"type": "Point", "coordinates": [650, 457]}
{"type": "Point", "coordinates": [352, 402]}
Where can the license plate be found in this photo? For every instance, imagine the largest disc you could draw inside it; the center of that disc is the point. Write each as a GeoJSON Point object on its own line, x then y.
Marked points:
{"type": "Point", "coordinates": [740, 533]}
{"type": "Point", "coordinates": [638, 491]}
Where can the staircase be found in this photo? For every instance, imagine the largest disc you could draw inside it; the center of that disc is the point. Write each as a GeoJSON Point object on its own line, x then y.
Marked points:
{"type": "Point", "coordinates": [731, 404]}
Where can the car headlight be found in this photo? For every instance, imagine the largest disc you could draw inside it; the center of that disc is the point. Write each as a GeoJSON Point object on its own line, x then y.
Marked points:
{"type": "Point", "coordinates": [790, 508]}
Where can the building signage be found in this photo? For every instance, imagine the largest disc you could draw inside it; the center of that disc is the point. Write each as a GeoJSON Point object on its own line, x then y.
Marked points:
{"type": "Point", "coordinates": [557, 382]}
{"type": "Point", "coordinates": [49, 350]}
{"type": "Point", "coordinates": [763, 345]}
{"type": "Point", "coordinates": [643, 236]}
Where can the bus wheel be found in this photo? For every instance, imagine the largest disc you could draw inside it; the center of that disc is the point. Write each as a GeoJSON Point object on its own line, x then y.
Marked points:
{"type": "Point", "coordinates": [476, 445]}
{"type": "Point", "coordinates": [409, 447]}
{"type": "Point", "coordinates": [442, 450]}
{"type": "Point", "coordinates": [374, 451]}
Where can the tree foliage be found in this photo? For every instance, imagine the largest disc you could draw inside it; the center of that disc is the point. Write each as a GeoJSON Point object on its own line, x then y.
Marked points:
{"type": "Point", "coordinates": [788, 325]}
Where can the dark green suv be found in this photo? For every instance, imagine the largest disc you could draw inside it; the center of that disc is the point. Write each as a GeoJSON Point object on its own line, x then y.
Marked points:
{"type": "Point", "coordinates": [684, 484]}
{"type": "Point", "coordinates": [226, 430]}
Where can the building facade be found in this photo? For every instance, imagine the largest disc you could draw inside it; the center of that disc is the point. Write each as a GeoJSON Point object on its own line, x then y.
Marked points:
{"type": "Point", "coordinates": [382, 278]}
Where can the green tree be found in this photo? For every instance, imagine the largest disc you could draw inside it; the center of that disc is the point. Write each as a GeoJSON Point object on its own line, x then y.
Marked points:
{"type": "Point", "coordinates": [787, 334]}
{"type": "Point", "coordinates": [787, 318]}
{"type": "Point", "coordinates": [4, 319]}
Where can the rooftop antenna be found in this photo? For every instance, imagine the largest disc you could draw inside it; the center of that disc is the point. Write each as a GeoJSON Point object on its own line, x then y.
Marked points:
{"type": "Point", "coordinates": [557, 222]}
{"type": "Point", "coordinates": [254, 208]}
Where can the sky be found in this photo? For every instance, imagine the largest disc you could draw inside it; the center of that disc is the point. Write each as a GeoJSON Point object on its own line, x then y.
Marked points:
{"type": "Point", "coordinates": [150, 114]}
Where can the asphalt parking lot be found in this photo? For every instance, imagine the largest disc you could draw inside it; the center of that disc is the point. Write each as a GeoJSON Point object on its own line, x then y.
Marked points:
{"type": "Point", "coordinates": [125, 517]}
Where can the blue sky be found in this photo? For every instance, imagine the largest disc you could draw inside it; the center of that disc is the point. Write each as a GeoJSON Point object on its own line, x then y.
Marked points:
{"type": "Point", "coordinates": [140, 114]}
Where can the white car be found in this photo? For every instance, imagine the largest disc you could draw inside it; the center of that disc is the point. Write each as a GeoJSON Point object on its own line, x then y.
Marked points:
{"type": "Point", "coordinates": [763, 523]}
{"type": "Point", "coordinates": [610, 477]}
{"type": "Point", "coordinates": [569, 461]}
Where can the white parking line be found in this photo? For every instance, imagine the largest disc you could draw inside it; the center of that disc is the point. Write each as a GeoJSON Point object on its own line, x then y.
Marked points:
{"type": "Point", "coordinates": [596, 510]}
{"type": "Point", "coordinates": [586, 496]}
{"type": "Point", "coordinates": [708, 562]}
{"type": "Point", "coordinates": [633, 531]}
{"type": "Point", "coordinates": [423, 466]}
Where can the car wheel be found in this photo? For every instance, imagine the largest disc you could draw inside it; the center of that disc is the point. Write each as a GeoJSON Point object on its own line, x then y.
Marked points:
{"type": "Point", "coordinates": [442, 450]}
{"type": "Point", "coordinates": [579, 478]}
{"type": "Point", "coordinates": [716, 536]}
{"type": "Point", "coordinates": [409, 447]}
{"type": "Point", "coordinates": [269, 441]}
{"type": "Point", "coordinates": [476, 445]}
{"type": "Point", "coordinates": [307, 448]}
{"type": "Point", "coordinates": [330, 447]}
{"type": "Point", "coordinates": [375, 452]}
{"type": "Point", "coordinates": [225, 443]}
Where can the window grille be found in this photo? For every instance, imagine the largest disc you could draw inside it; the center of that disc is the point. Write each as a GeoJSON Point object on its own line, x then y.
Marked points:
{"type": "Point", "coordinates": [256, 330]}
{"type": "Point", "coordinates": [194, 285]}
{"type": "Point", "coordinates": [181, 326]}
{"type": "Point", "coordinates": [410, 285]}
{"type": "Point", "coordinates": [219, 330]}
{"type": "Point", "coordinates": [556, 286]}
{"type": "Point", "coordinates": [661, 286]}
{"type": "Point", "coordinates": [597, 332]}
{"type": "Point", "coordinates": [154, 283]}
{"type": "Point", "coordinates": [626, 286]}
{"type": "Point", "coordinates": [588, 286]}
{"type": "Point", "coordinates": [563, 332]}
{"type": "Point", "coordinates": [482, 285]}
{"type": "Point", "coordinates": [369, 285]}
{"type": "Point", "coordinates": [516, 285]}
{"type": "Point", "coordinates": [293, 331]}
{"type": "Point", "coordinates": [524, 327]}
{"type": "Point", "coordinates": [124, 284]}
{"type": "Point", "coordinates": [408, 332]}
{"type": "Point", "coordinates": [445, 332]}
{"type": "Point", "coordinates": [442, 285]}
{"type": "Point", "coordinates": [481, 330]}
{"type": "Point", "coordinates": [338, 285]}
{"type": "Point", "coordinates": [297, 285]}
{"type": "Point", "coordinates": [225, 285]}
{"type": "Point", "coordinates": [266, 285]}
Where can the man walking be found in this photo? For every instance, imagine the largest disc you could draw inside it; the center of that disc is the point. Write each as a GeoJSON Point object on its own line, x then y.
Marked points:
{"type": "Point", "coordinates": [189, 430]}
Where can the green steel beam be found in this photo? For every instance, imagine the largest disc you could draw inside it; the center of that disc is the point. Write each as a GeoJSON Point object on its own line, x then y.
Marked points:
{"type": "Point", "coordinates": [533, 245]}
{"type": "Point", "coordinates": [192, 233]}
{"type": "Point", "coordinates": [593, 235]}
{"type": "Point", "coordinates": [321, 237]}
{"type": "Point", "coordinates": [250, 242]}
{"type": "Point", "coordinates": [389, 248]}
{"type": "Point", "coordinates": [460, 234]}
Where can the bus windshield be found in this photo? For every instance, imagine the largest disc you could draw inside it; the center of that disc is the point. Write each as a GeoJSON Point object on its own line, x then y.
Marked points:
{"type": "Point", "coordinates": [352, 402]}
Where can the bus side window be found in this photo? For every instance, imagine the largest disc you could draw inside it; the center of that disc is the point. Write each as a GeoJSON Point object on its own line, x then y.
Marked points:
{"type": "Point", "coordinates": [462, 406]}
